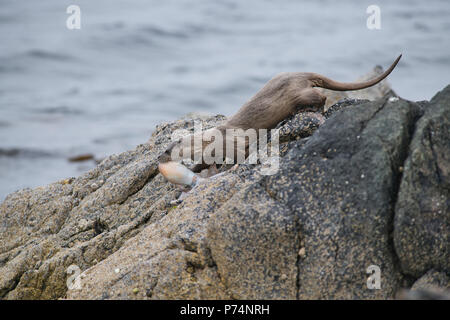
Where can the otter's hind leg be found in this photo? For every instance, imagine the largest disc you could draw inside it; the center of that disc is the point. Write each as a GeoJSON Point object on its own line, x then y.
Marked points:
{"type": "Point", "coordinates": [310, 99]}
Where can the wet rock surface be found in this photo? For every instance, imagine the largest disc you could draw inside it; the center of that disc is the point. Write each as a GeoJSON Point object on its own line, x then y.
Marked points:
{"type": "Point", "coordinates": [356, 188]}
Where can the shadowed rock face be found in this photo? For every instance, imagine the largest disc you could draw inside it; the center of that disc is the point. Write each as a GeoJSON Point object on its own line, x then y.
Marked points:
{"type": "Point", "coordinates": [332, 200]}
{"type": "Point", "coordinates": [361, 190]}
{"type": "Point", "coordinates": [422, 220]}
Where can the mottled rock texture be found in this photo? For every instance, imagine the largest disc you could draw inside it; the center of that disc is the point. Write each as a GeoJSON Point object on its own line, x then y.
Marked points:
{"type": "Point", "coordinates": [422, 221]}
{"type": "Point", "coordinates": [369, 186]}
{"type": "Point", "coordinates": [433, 285]}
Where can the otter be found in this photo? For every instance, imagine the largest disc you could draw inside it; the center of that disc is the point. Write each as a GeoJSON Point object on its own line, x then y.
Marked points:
{"type": "Point", "coordinates": [284, 95]}
{"type": "Point", "coordinates": [291, 92]}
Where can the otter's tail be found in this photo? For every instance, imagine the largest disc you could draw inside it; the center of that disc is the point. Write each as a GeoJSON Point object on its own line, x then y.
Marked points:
{"type": "Point", "coordinates": [324, 82]}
